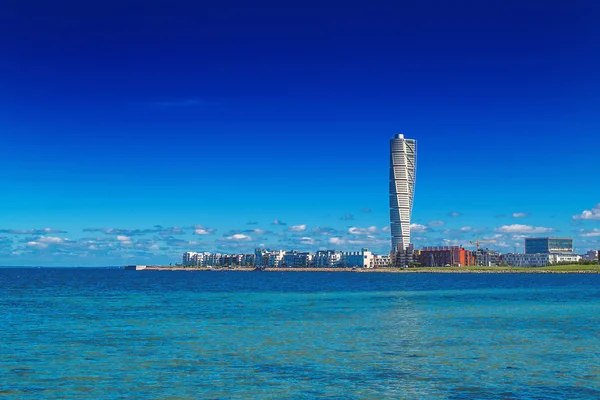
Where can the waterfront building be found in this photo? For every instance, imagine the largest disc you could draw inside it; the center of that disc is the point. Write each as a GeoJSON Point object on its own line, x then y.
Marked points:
{"type": "Point", "coordinates": [248, 260]}
{"type": "Point", "coordinates": [192, 258]}
{"type": "Point", "coordinates": [274, 258]}
{"type": "Point", "coordinates": [214, 259]}
{"type": "Point", "coordinates": [327, 258]}
{"type": "Point", "coordinates": [446, 256]}
{"type": "Point", "coordinates": [187, 258]}
{"type": "Point", "coordinates": [548, 245]}
{"type": "Point", "coordinates": [591, 255]}
{"type": "Point", "coordinates": [200, 258]}
{"type": "Point", "coordinates": [403, 161]}
{"type": "Point", "coordinates": [487, 258]}
{"type": "Point", "coordinates": [539, 259]}
{"type": "Point", "coordinates": [268, 258]}
{"type": "Point", "coordinates": [239, 260]}
{"type": "Point", "coordinates": [382, 261]}
{"type": "Point", "coordinates": [261, 257]}
{"type": "Point", "coordinates": [526, 260]}
{"type": "Point", "coordinates": [362, 259]}
{"type": "Point", "coordinates": [296, 259]}
{"type": "Point", "coordinates": [563, 258]}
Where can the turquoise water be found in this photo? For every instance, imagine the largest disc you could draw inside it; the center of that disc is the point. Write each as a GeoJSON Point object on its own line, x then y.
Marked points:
{"type": "Point", "coordinates": [110, 333]}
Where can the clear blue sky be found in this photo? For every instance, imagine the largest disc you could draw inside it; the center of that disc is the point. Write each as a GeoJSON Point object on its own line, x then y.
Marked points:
{"type": "Point", "coordinates": [133, 131]}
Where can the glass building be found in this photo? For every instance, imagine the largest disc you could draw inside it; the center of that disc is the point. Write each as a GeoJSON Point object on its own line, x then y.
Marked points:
{"type": "Point", "coordinates": [548, 245]}
{"type": "Point", "coordinates": [403, 161]}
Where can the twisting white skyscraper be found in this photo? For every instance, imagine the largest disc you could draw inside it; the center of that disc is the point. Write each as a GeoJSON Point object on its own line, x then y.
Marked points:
{"type": "Point", "coordinates": [403, 162]}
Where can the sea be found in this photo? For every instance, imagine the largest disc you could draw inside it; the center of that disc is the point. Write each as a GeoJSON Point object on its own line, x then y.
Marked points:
{"type": "Point", "coordinates": [109, 333]}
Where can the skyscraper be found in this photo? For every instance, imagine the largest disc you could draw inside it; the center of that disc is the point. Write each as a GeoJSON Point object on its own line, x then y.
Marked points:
{"type": "Point", "coordinates": [403, 161]}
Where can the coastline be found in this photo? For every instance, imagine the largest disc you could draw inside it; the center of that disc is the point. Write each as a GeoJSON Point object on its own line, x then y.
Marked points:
{"type": "Point", "coordinates": [568, 269]}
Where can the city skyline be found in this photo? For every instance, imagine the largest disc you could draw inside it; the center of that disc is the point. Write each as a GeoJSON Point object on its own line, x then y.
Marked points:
{"type": "Point", "coordinates": [139, 132]}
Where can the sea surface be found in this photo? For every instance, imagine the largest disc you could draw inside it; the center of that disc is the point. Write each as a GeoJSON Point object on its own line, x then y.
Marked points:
{"type": "Point", "coordinates": [111, 333]}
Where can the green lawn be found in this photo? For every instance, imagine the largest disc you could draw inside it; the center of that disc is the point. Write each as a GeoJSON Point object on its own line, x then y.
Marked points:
{"type": "Point", "coordinates": [551, 268]}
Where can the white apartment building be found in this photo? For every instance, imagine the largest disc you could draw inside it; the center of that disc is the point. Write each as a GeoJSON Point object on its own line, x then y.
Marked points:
{"type": "Point", "coordinates": [200, 258]}
{"type": "Point", "coordinates": [327, 258]}
{"type": "Point", "coordinates": [539, 259]}
{"type": "Point", "coordinates": [187, 258]}
{"type": "Point", "coordinates": [361, 259]}
{"type": "Point", "coordinates": [275, 257]}
{"type": "Point", "coordinates": [564, 257]}
{"type": "Point", "coordinates": [382, 261]}
{"type": "Point", "coordinates": [527, 260]}
{"type": "Point", "coordinates": [268, 258]}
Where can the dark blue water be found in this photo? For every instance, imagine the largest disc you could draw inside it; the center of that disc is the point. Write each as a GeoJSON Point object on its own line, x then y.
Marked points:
{"type": "Point", "coordinates": [108, 333]}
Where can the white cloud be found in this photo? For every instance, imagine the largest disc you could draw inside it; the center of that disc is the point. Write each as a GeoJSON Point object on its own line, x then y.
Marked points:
{"type": "Point", "coordinates": [336, 241]}
{"type": "Point", "coordinates": [297, 228]}
{"type": "Point", "coordinates": [452, 242]}
{"type": "Point", "coordinates": [594, 213]}
{"type": "Point", "coordinates": [201, 230]}
{"type": "Point", "coordinates": [466, 228]}
{"type": "Point", "coordinates": [385, 229]}
{"type": "Point", "coordinates": [593, 233]}
{"type": "Point", "coordinates": [518, 228]}
{"type": "Point", "coordinates": [307, 240]}
{"type": "Point", "coordinates": [31, 231]}
{"type": "Point", "coordinates": [278, 222]}
{"type": "Point", "coordinates": [416, 228]}
{"type": "Point", "coordinates": [37, 245]}
{"type": "Point", "coordinates": [259, 231]}
{"type": "Point", "coordinates": [239, 237]}
{"type": "Point", "coordinates": [50, 239]}
{"type": "Point", "coordinates": [124, 240]}
{"type": "Point", "coordinates": [362, 231]}
{"type": "Point", "coordinates": [44, 241]}
{"type": "Point", "coordinates": [436, 223]}
{"type": "Point", "coordinates": [520, 215]}
{"type": "Point", "coordinates": [454, 214]}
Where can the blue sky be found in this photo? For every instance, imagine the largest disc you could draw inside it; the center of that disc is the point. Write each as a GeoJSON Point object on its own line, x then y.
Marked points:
{"type": "Point", "coordinates": [134, 131]}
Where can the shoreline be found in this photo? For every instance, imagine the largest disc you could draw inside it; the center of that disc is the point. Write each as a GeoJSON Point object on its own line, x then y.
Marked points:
{"type": "Point", "coordinates": [442, 270]}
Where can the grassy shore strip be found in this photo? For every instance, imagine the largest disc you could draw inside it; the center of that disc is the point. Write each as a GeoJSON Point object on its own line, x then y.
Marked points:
{"type": "Point", "coordinates": [553, 269]}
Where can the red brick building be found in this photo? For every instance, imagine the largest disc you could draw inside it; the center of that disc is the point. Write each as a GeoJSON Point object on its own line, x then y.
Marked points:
{"type": "Point", "coordinates": [454, 256]}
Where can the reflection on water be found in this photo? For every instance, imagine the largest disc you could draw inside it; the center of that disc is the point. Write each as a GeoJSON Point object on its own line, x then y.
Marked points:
{"type": "Point", "coordinates": [112, 333]}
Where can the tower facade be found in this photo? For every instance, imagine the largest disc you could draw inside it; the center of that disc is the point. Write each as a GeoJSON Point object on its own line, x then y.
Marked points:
{"type": "Point", "coordinates": [403, 163]}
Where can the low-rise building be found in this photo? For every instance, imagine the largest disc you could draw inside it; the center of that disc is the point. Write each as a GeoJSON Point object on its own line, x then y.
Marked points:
{"type": "Point", "coordinates": [526, 260]}
{"type": "Point", "coordinates": [186, 258]}
{"type": "Point", "coordinates": [361, 259]}
{"type": "Point", "coordinates": [555, 258]}
{"type": "Point", "coordinates": [214, 259]}
{"type": "Point", "coordinates": [296, 259]}
{"type": "Point", "coordinates": [275, 257]}
{"type": "Point", "coordinates": [327, 258]}
{"type": "Point", "coordinates": [268, 258]}
{"type": "Point", "coordinates": [487, 258]}
{"type": "Point", "coordinates": [382, 261]}
{"type": "Point", "coordinates": [194, 259]}
{"type": "Point", "coordinates": [591, 255]}
{"type": "Point", "coordinates": [446, 256]}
